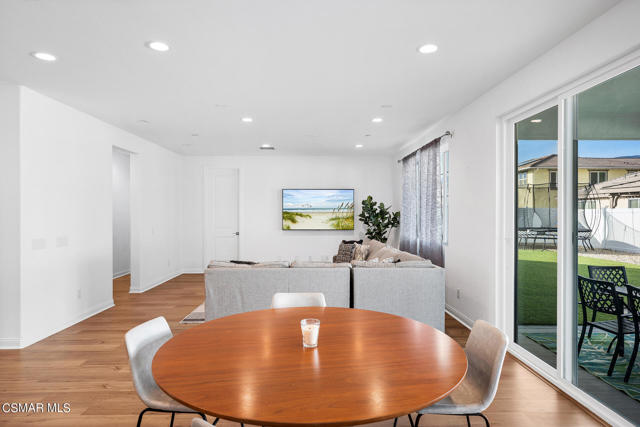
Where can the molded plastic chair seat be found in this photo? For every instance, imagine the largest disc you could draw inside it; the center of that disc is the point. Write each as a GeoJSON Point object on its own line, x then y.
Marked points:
{"type": "Point", "coordinates": [142, 343]}
{"type": "Point", "coordinates": [298, 299]}
{"type": "Point", "coordinates": [485, 349]}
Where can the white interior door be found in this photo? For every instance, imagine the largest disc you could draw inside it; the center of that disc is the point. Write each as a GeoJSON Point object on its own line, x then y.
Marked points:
{"type": "Point", "coordinates": [221, 214]}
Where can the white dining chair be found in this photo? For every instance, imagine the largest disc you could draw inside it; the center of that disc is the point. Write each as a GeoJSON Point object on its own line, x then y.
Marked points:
{"type": "Point", "coordinates": [142, 343]}
{"type": "Point", "coordinates": [485, 349]}
{"type": "Point", "coordinates": [298, 299]}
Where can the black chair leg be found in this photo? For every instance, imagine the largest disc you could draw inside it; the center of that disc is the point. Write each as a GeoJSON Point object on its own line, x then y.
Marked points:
{"type": "Point", "coordinates": [632, 361]}
{"type": "Point", "coordinates": [173, 417]}
{"type": "Point", "coordinates": [141, 414]}
{"type": "Point", "coordinates": [410, 420]}
{"type": "Point", "coordinates": [395, 422]}
{"type": "Point", "coordinates": [611, 343]}
{"type": "Point", "coordinates": [614, 357]}
{"type": "Point", "coordinates": [216, 421]}
{"type": "Point", "coordinates": [584, 329]}
{"type": "Point", "coordinates": [417, 420]}
{"type": "Point", "coordinates": [468, 421]}
{"type": "Point", "coordinates": [486, 420]}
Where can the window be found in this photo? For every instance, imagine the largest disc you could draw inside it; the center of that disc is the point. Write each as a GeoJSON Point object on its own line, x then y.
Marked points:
{"type": "Point", "coordinates": [634, 203]}
{"type": "Point", "coordinates": [596, 177]}
{"type": "Point", "coordinates": [444, 180]}
{"type": "Point", "coordinates": [553, 179]}
{"type": "Point", "coordinates": [522, 179]}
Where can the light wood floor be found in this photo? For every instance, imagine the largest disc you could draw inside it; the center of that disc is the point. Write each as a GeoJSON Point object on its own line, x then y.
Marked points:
{"type": "Point", "coordinates": [86, 365]}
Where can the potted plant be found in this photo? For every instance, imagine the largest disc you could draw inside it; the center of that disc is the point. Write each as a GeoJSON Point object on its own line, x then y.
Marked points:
{"type": "Point", "coordinates": [379, 219]}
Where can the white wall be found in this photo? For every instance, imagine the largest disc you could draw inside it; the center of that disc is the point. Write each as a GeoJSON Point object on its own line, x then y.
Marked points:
{"type": "Point", "coordinates": [121, 213]}
{"type": "Point", "coordinates": [261, 179]}
{"type": "Point", "coordinates": [9, 216]}
{"type": "Point", "coordinates": [66, 214]}
{"type": "Point", "coordinates": [470, 256]}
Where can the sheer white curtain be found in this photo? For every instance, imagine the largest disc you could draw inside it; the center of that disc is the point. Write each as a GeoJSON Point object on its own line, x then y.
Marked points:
{"type": "Point", "coordinates": [421, 215]}
{"type": "Point", "coordinates": [409, 209]}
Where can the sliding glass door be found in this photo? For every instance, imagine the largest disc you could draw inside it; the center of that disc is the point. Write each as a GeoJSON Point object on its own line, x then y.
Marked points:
{"type": "Point", "coordinates": [577, 240]}
{"type": "Point", "coordinates": [536, 233]}
{"type": "Point", "coordinates": [607, 127]}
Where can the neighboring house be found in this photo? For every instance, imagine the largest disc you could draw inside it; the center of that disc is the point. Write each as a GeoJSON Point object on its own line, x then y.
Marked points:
{"type": "Point", "coordinates": [606, 181]}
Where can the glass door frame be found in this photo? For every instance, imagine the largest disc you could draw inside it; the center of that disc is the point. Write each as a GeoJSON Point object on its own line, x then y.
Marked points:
{"type": "Point", "coordinates": [565, 375]}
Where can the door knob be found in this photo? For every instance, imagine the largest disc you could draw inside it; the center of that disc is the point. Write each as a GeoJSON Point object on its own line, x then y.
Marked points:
{"type": "Point", "coordinates": [237, 233]}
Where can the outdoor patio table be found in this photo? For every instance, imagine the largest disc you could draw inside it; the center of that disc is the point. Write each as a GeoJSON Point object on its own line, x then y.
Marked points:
{"type": "Point", "coordinates": [252, 367]}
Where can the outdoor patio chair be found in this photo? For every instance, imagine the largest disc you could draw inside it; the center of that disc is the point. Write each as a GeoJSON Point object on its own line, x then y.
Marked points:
{"type": "Point", "coordinates": [616, 274]}
{"type": "Point", "coordinates": [633, 295]}
{"type": "Point", "coordinates": [602, 297]}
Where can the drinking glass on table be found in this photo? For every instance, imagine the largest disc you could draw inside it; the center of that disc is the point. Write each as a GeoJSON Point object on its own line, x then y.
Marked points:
{"type": "Point", "coordinates": [310, 330]}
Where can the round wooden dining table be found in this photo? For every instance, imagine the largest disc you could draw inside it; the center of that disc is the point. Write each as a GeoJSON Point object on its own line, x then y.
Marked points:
{"type": "Point", "coordinates": [252, 368]}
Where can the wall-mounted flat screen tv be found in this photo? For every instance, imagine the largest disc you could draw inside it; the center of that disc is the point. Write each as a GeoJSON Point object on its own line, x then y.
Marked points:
{"type": "Point", "coordinates": [306, 209]}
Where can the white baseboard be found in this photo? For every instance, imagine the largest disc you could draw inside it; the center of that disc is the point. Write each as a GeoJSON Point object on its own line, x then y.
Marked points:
{"type": "Point", "coordinates": [123, 273]}
{"type": "Point", "coordinates": [155, 283]}
{"type": "Point", "coordinates": [27, 341]}
{"type": "Point", "coordinates": [194, 270]}
{"type": "Point", "coordinates": [9, 343]}
{"type": "Point", "coordinates": [459, 316]}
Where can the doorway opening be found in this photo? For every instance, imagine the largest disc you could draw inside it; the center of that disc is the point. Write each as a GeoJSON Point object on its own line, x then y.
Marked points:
{"type": "Point", "coordinates": [121, 205]}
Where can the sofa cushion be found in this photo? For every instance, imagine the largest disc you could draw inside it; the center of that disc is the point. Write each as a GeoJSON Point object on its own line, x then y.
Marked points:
{"type": "Point", "coordinates": [272, 264]}
{"type": "Point", "coordinates": [425, 263]}
{"type": "Point", "coordinates": [406, 256]}
{"type": "Point", "coordinates": [374, 246]}
{"type": "Point", "coordinates": [227, 264]}
{"type": "Point", "coordinates": [372, 264]}
{"type": "Point", "coordinates": [360, 252]}
{"type": "Point", "coordinates": [345, 252]}
{"type": "Point", "coordinates": [319, 264]}
{"type": "Point", "coordinates": [386, 252]}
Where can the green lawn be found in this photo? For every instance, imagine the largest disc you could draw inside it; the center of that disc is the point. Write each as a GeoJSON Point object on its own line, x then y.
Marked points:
{"type": "Point", "coordinates": [537, 284]}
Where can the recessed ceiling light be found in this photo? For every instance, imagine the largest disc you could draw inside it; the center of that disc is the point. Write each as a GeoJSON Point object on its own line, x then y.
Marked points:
{"type": "Point", "coordinates": [195, 135]}
{"type": "Point", "coordinates": [359, 145]}
{"type": "Point", "coordinates": [267, 147]}
{"type": "Point", "coordinates": [536, 120]}
{"type": "Point", "coordinates": [143, 122]}
{"type": "Point", "coordinates": [368, 134]}
{"type": "Point", "coordinates": [44, 56]}
{"type": "Point", "coordinates": [376, 120]}
{"type": "Point", "coordinates": [427, 48]}
{"type": "Point", "coordinates": [158, 46]}
{"type": "Point", "coordinates": [247, 119]}
{"type": "Point", "coordinates": [386, 106]}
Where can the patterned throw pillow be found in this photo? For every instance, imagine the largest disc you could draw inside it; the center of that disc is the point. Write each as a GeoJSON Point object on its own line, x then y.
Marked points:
{"type": "Point", "coordinates": [345, 252]}
{"type": "Point", "coordinates": [360, 252]}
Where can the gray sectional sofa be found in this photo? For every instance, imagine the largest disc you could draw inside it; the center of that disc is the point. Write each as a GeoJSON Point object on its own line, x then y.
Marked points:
{"type": "Point", "coordinates": [408, 286]}
{"type": "Point", "coordinates": [230, 290]}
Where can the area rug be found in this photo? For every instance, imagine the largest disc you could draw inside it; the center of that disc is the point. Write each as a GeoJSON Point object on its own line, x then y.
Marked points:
{"type": "Point", "coordinates": [595, 360]}
{"type": "Point", "coordinates": [196, 316]}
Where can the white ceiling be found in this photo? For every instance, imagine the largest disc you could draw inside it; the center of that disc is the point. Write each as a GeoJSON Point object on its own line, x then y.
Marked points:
{"type": "Point", "coordinates": [311, 73]}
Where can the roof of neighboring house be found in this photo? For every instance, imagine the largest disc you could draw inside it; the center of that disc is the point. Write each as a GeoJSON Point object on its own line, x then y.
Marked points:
{"type": "Point", "coordinates": [624, 185]}
{"type": "Point", "coordinates": [551, 162]}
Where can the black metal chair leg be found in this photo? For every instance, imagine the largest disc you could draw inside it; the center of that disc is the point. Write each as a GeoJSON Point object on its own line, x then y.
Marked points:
{"type": "Point", "coordinates": [141, 414]}
{"type": "Point", "coordinates": [395, 422]}
{"type": "Point", "coordinates": [611, 343]}
{"type": "Point", "coordinates": [614, 358]}
{"type": "Point", "coordinates": [486, 420]}
{"type": "Point", "coordinates": [632, 361]}
{"type": "Point", "coordinates": [468, 421]}
{"type": "Point", "coordinates": [173, 417]}
{"type": "Point", "coordinates": [410, 420]}
{"type": "Point", "coordinates": [584, 329]}
{"type": "Point", "coordinates": [417, 420]}
{"type": "Point", "coordinates": [216, 421]}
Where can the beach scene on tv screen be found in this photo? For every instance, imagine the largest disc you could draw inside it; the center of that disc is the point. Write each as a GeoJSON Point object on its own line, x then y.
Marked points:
{"type": "Point", "coordinates": [317, 209]}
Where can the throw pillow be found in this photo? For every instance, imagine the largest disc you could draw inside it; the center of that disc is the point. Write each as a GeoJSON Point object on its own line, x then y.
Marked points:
{"type": "Point", "coordinates": [345, 252]}
{"type": "Point", "coordinates": [360, 252]}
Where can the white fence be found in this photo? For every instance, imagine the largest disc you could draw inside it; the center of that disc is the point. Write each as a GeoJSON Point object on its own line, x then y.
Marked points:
{"type": "Point", "coordinates": [614, 229]}
{"type": "Point", "coordinates": [618, 229]}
